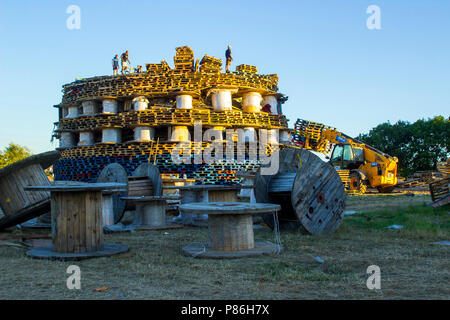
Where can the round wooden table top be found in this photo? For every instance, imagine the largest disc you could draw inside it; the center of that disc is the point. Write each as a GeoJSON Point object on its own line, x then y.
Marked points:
{"type": "Point", "coordinates": [78, 186]}
{"type": "Point", "coordinates": [232, 208]}
{"type": "Point", "coordinates": [151, 198]}
{"type": "Point", "coordinates": [209, 187]}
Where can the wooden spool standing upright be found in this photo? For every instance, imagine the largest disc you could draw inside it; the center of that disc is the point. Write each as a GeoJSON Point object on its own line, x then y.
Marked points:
{"type": "Point", "coordinates": [17, 204]}
{"type": "Point", "coordinates": [113, 172]}
{"type": "Point", "coordinates": [309, 190]}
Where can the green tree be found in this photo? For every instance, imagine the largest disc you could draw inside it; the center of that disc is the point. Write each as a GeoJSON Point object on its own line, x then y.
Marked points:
{"type": "Point", "coordinates": [13, 153]}
{"type": "Point", "coordinates": [418, 146]}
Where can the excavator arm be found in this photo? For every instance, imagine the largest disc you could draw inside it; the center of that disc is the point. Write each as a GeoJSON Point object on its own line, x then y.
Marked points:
{"type": "Point", "coordinates": [348, 155]}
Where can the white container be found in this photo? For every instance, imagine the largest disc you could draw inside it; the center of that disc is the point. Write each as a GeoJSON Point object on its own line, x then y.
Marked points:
{"type": "Point", "coordinates": [89, 107]}
{"type": "Point", "coordinates": [272, 101]}
{"type": "Point", "coordinates": [67, 140]}
{"type": "Point", "coordinates": [144, 133]}
{"type": "Point", "coordinates": [86, 138]}
{"type": "Point", "coordinates": [140, 103]}
{"type": "Point", "coordinates": [110, 106]}
{"type": "Point", "coordinates": [251, 102]}
{"type": "Point", "coordinates": [184, 101]}
{"type": "Point", "coordinates": [111, 135]}
{"type": "Point", "coordinates": [221, 100]}
{"type": "Point", "coordinates": [180, 133]}
{"type": "Point", "coordinates": [72, 112]}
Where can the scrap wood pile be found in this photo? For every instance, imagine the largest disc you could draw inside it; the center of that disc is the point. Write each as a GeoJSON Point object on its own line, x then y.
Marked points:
{"type": "Point", "coordinates": [444, 168]}
{"type": "Point", "coordinates": [210, 65]}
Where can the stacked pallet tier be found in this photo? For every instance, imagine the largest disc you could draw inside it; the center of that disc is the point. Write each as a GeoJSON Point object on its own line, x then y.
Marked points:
{"type": "Point", "coordinates": [244, 68]}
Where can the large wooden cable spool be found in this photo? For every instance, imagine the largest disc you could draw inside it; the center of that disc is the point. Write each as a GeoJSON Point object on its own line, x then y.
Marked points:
{"type": "Point", "coordinates": [17, 204]}
{"type": "Point", "coordinates": [316, 199]}
{"type": "Point", "coordinates": [148, 177]}
{"type": "Point", "coordinates": [281, 183]}
{"type": "Point", "coordinates": [114, 172]}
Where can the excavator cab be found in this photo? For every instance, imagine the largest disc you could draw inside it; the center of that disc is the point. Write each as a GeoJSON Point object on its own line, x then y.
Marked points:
{"type": "Point", "coordinates": [347, 157]}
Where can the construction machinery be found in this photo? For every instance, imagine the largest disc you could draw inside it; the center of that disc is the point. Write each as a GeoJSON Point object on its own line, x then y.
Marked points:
{"type": "Point", "coordinates": [358, 164]}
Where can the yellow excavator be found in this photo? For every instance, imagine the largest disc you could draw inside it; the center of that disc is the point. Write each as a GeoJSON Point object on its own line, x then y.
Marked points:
{"type": "Point", "coordinates": [358, 164]}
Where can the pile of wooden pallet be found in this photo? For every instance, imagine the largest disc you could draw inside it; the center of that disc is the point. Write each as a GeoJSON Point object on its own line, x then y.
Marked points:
{"type": "Point", "coordinates": [444, 168]}
{"type": "Point", "coordinates": [245, 68]}
{"type": "Point", "coordinates": [210, 65]}
{"type": "Point", "coordinates": [184, 59]}
{"type": "Point", "coordinates": [159, 115]}
{"type": "Point", "coordinates": [157, 68]}
{"type": "Point", "coordinates": [439, 191]}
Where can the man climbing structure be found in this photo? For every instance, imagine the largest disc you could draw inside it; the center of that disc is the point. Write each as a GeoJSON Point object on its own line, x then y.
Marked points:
{"type": "Point", "coordinates": [125, 61]}
{"type": "Point", "coordinates": [229, 58]}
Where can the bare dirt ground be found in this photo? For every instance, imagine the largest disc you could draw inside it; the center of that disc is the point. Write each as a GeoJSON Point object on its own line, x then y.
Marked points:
{"type": "Point", "coordinates": [154, 268]}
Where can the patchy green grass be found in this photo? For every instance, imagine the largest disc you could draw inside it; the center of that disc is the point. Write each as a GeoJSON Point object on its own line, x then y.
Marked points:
{"type": "Point", "coordinates": [411, 267]}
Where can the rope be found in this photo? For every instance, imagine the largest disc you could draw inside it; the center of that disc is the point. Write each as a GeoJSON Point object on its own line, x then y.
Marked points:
{"type": "Point", "coordinates": [201, 251]}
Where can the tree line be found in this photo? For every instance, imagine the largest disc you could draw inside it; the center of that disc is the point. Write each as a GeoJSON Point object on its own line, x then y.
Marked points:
{"type": "Point", "coordinates": [418, 146]}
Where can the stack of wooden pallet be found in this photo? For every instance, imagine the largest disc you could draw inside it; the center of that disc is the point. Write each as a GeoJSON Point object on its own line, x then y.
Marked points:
{"type": "Point", "coordinates": [157, 68]}
{"type": "Point", "coordinates": [444, 168]}
{"type": "Point", "coordinates": [183, 59]}
{"type": "Point", "coordinates": [245, 68]}
{"type": "Point", "coordinates": [210, 65]}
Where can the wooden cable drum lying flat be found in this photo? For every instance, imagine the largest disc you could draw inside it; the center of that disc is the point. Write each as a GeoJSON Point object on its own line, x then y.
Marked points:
{"type": "Point", "coordinates": [114, 172]}
{"type": "Point", "coordinates": [309, 190]}
{"type": "Point", "coordinates": [17, 204]}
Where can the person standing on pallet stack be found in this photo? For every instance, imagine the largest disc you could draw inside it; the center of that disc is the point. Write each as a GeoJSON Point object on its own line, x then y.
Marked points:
{"type": "Point", "coordinates": [115, 64]}
{"type": "Point", "coordinates": [229, 58]}
{"type": "Point", "coordinates": [125, 61]}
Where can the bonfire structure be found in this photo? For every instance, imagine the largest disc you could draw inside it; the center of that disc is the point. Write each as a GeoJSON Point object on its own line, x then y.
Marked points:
{"type": "Point", "coordinates": [180, 119]}
{"type": "Point", "coordinates": [143, 117]}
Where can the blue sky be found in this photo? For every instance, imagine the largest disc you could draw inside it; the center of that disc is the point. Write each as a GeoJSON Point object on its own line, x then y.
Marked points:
{"type": "Point", "coordinates": [333, 68]}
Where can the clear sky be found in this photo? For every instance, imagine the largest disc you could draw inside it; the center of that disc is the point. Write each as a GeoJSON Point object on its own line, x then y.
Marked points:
{"type": "Point", "coordinates": [333, 68]}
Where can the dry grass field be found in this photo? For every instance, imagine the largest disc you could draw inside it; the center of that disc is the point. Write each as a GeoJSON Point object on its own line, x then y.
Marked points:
{"type": "Point", "coordinates": [154, 268]}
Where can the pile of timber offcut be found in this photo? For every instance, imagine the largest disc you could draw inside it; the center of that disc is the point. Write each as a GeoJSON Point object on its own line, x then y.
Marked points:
{"type": "Point", "coordinates": [245, 68]}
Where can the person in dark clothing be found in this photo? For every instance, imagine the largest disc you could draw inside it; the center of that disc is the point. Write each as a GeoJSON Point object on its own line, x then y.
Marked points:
{"type": "Point", "coordinates": [229, 58]}
{"type": "Point", "coordinates": [115, 65]}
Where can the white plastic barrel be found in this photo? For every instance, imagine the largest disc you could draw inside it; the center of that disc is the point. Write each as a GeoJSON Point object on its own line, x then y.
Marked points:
{"type": "Point", "coordinates": [89, 107]}
{"type": "Point", "coordinates": [221, 100]}
{"type": "Point", "coordinates": [67, 140]}
{"type": "Point", "coordinates": [72, 112]}
{"type": "Point", "coordinates": [144, 133]}
{"type": "Point", "coordinates": [110, 106]}
{"type": "Point", "coordinates": [184, 101]}
{"type": "Point", "coordinates": [272, 101]}
{"type": "Point", "coordinates": [180, 133]}
{"type": "Point", "coordinates": [140, 103]}
{"type": "Point", "coordinates": [251, 102]}
{"type": "Point", "coordinates": [86, 138]}
{"type": "Point", "coordinates": [112, 135]}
